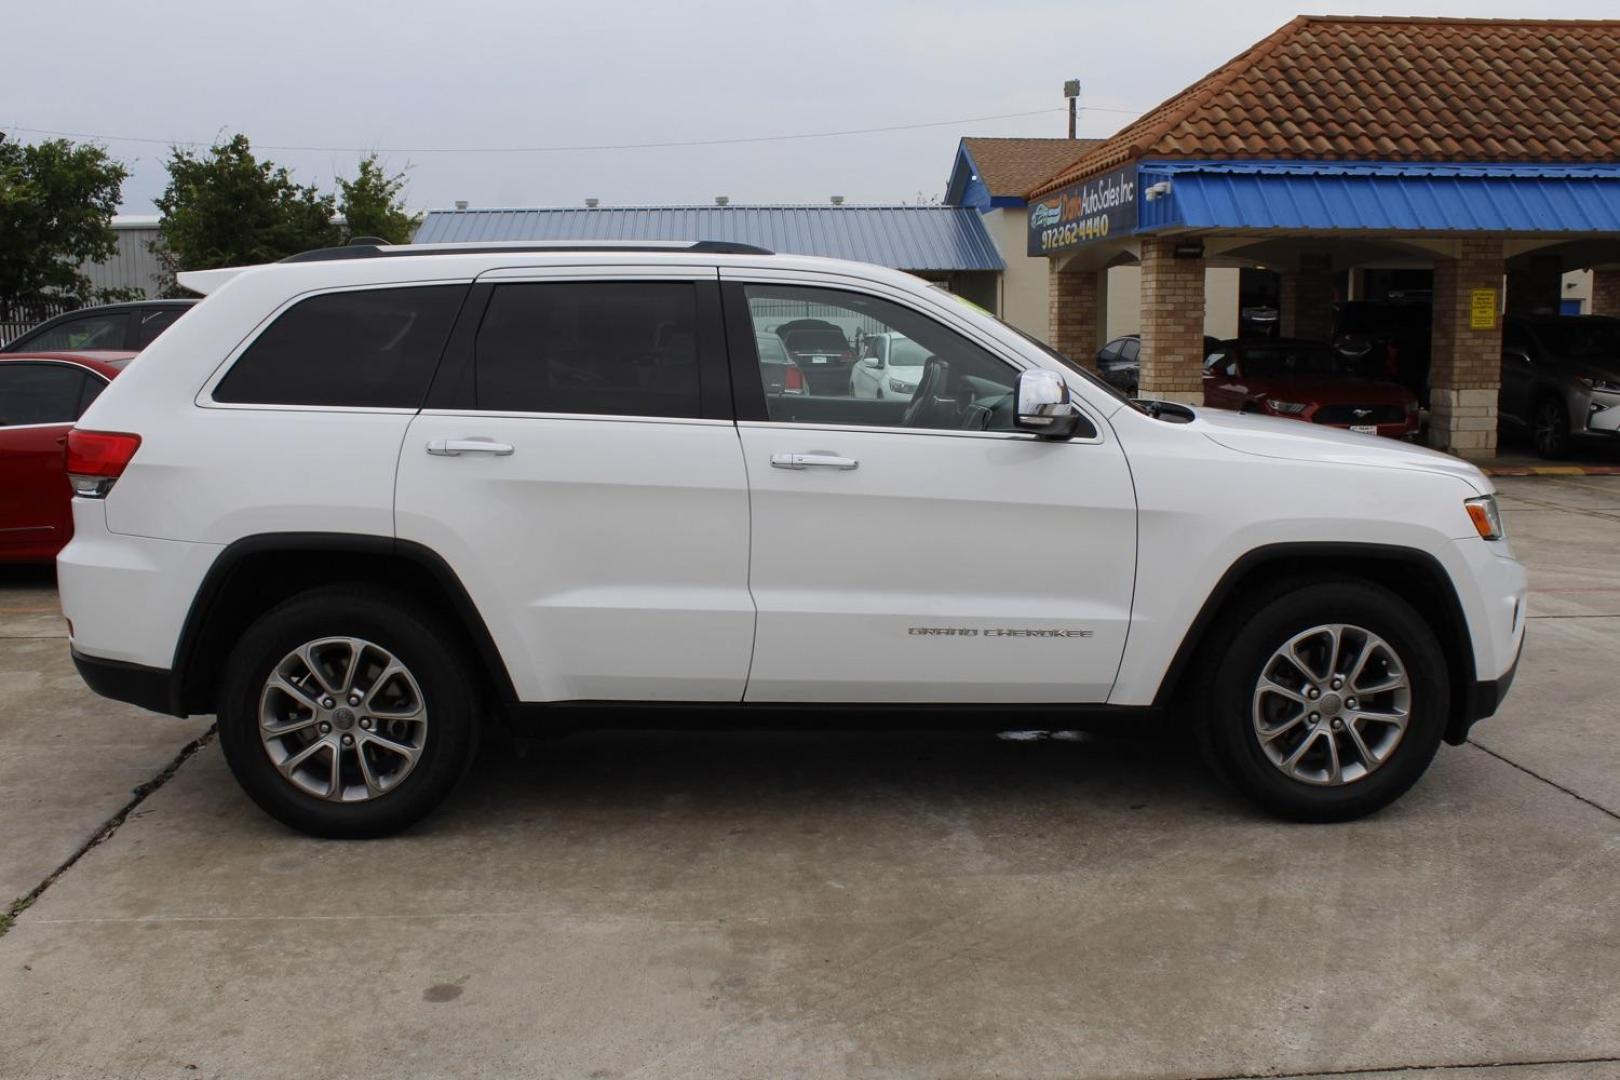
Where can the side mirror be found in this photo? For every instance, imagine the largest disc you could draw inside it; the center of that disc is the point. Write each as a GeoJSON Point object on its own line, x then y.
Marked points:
{"type": "Point", "coordinates": [872, 362]}
{"type": "Point", "coordinates": [1042, 405]}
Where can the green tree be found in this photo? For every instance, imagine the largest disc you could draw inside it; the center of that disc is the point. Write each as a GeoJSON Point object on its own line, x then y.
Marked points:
{"type": "Point", "coordinates": [228, 208]}
{"type": "Point", "coordinates": [372, 204]}
{"type": "Point", "coordinates": [56, 206]}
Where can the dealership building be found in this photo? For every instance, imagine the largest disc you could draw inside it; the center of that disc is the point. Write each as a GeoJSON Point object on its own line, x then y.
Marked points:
{"type": "Point", "coordinates": [1476, 162]}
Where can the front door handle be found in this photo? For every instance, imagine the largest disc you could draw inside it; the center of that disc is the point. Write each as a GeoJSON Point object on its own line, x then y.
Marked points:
{"type": "Point", "coordinates": [457, 447]}
{"type": "Point", "coordinates": [819, 459]}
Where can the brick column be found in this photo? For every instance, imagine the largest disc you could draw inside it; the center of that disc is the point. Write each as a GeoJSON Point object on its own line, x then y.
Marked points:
{"type": "Point", "coordinates": [1606, 290]}
{"type": "Point", "coordinates": [1305, 299]}
{"type": "Point", "coordinates": [1075, 312]}
{"type": "Point", "coordinates": [1465, 375]}
{"type": "Point", "coordinates": [1172, 354]}
{"type": "Point", "coordinates": [1535, 285]}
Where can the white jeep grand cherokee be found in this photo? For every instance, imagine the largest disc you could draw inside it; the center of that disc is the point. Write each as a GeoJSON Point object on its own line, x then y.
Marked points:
{"type": "Point", "coordinates": [362, 501]}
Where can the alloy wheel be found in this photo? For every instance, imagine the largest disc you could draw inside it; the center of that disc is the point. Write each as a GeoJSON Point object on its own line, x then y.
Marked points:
{"type": "Point", "coordinates": [342, 719]}
{"type": "Point", "coordinates": [1331, 705]}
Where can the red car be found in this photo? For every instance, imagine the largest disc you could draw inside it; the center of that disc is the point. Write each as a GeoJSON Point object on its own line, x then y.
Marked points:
{"type": "Point", "coordinates": [41, 395]}
{"type": "Point", "coordinates": [1307, 380]}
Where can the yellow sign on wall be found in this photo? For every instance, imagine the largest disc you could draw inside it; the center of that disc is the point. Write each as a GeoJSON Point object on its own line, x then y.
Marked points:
{"type": "Point", "coordinates": [1482, 309]}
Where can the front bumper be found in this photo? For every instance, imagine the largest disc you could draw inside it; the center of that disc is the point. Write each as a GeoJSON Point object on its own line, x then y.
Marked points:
{"type": "Point", "coordinates": [1484, 698]}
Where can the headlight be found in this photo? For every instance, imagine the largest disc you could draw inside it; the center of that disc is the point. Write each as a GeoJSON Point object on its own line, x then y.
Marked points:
{"type": "Point", "coordinates": [901, 387]}
{"type": "Point", "coordinates": [1287, 408]}
{"type": "Point", "coordinates": [1487, 519]}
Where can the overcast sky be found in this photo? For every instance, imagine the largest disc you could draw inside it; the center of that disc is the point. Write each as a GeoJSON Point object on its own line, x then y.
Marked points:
{"type": "Point", "coordinates": [414, 79]}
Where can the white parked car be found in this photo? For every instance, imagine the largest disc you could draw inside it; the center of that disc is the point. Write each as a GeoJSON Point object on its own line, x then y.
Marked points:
{"type": "Point", "coordinates": [363, 501]}
{"type": "Point", "coordinates": [890, 367]}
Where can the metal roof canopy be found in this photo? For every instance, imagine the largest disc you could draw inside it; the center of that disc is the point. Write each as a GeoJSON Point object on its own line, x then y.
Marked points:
{"type": "Point", "coordinates": [916, 238]}
{"type": "Point", "coordinates": [1388, 197]}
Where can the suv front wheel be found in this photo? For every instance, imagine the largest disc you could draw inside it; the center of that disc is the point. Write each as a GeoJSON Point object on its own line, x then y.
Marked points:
{"type": "Point", "coordinates": [344, 713]}
{"type": "Point", "coordinates": [1328, 703]}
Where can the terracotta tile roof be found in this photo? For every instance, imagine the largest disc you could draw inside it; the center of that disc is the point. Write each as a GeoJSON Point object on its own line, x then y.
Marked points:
{"type": "Point", "coordinates": [1013, 166]}
{"type": "Point", "coordinates": [1393, 89]}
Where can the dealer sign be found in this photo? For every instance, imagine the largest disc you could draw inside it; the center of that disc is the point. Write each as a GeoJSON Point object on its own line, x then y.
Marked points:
{"type": "Point", "coordinates": [1083, 213]}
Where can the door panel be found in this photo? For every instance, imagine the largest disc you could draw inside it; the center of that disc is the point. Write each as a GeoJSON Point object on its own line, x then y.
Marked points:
{"type": "Point", "coordinates": [601, 526]}
{"type": "Point", "coordinates": [929, 554]}
{"type": "Point", "coordinates": [942, 568]}
{"type": "Point", "coordinates": [35, 499]}
{"type": "Point", "coordinates": [608, 557]}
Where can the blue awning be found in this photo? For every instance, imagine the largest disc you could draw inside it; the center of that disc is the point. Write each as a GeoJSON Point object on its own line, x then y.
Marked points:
{"type": "Point", "coordinates": [915, 238]}
{"type": "Point", "coordinates": [1404, 198]}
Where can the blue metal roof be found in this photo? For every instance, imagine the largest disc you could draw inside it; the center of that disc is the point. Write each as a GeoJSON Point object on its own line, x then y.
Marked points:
{"type": "Point", "coordinates": [937, 238]}
{"type": "Point", "coordinates": [1404, 197]}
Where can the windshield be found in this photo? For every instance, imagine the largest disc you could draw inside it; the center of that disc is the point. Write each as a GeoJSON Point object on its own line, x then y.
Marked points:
{"type": "Point", "coordinates": [903, 352]}
{"type": "Point", "coordinates": [1582, 339]}
{"type": "Point", "coordinates": [1292, 361]}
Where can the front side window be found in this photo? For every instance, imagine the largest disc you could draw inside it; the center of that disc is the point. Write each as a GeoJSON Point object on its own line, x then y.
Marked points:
{"type": "Point", "coordinates": [934, 377]}
{"type": "Point", "coordinates": [40, 394]}
{"type": "Point", "coordinates": [372, 348]}
{"type": "Point", "coordinates": [590, 348]}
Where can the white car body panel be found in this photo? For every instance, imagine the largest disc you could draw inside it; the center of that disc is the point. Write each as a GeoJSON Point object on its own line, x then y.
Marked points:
{"type": "Point", "coordinates": [610, 558]}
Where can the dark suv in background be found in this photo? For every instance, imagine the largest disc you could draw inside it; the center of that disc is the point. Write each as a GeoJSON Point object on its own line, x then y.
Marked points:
{"type": "Point", "coordinates": [126, 327]}
{"type": "Point", "coordinates": [1561, 379]}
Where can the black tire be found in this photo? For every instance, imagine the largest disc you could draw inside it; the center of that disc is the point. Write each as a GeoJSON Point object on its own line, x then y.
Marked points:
{"type": "Point", "coordinates": [1549, 428]}
{"type": "Point", "coordinates": [410, 634]}
{"type": "Point", "coordinates": [1253, 631]}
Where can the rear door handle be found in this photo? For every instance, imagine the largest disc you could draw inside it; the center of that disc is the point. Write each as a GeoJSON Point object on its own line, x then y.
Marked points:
{"type": "Point", "coordinates": [457, 447]}
{"type": "Point", "coordinates": [819, 459]}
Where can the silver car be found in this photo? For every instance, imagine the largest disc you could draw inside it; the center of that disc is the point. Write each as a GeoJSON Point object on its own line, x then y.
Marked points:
{"type": "Point", "coordinates": [1561, 379]}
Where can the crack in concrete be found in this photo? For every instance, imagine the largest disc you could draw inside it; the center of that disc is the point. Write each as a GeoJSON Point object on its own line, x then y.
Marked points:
{"type": "Point", "coordinates": [8, 917]}
{"type": "Point", "coordinates": [1571, 792]}
{"type": "Point", "coordinates": [1373, 1070]}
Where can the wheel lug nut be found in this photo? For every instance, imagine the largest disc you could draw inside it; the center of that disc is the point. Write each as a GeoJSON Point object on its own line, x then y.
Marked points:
{"type": "Point", "coordinates": [1313, 693]}
{"type": "Point", "coordinates": [348, 740]}
{"type": "Point", "coordinates": [1338, 725]}
{"type": "Point", "coordinates": [1350, 703]}
{"type": "Point", "coordinates": [326, 729]}
{"type": "Point", "coordinates": [1337, 683]}
{"type": "Point", "coordinates": [327, 703]}
{"type": "Point", "coordinates": [354, 699]}
{"type": "Point", "coordinates": [1316, 718]}
{"type": "Point", "coordinates": [365, 723]}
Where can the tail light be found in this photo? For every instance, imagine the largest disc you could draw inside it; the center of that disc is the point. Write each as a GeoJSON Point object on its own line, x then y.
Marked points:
{"type": "Point", "coordinates": [96, 459]}
{"type": "Point", "coordinates": [793, 380]}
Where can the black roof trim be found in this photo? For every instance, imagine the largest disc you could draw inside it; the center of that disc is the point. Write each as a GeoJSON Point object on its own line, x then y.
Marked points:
{"type": "Point", "coordinates": [377, 251]}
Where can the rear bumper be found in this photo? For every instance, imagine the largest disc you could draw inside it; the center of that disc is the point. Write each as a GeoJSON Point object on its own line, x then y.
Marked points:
{"type": "Point", "coordinates": [149, 687]}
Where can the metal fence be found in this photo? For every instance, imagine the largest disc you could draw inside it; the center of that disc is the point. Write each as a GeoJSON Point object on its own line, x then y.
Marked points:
{"type": "Point", "coordinates": [19, 316]}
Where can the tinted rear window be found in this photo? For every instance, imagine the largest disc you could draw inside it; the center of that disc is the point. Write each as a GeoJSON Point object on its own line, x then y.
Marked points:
{"type": "Point", "coordinates": [602, 349]}
{"type": "Point", "coordinates": [372, 348]}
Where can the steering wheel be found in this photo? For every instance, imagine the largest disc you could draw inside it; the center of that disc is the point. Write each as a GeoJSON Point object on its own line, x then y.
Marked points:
{"type": "Point", "coordinates": [936, 374]}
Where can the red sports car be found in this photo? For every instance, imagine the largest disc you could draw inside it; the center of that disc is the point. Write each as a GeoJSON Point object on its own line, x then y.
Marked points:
{"type": "Point", "coordinates": [1307, 380]}
{"type": "Point", "coordinates": [41, 395]}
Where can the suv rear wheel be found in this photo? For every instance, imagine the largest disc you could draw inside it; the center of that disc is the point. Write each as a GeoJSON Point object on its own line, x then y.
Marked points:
{"type": "Point", "coordinates": [344, 713]}
{"type": "Point", "coordinates": [1328, 703]}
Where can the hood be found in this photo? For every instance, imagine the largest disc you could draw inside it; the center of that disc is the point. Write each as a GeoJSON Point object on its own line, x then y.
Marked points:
{"type": "Point", "coordinates": [1275, 437]}
{"type": "Point", "coordinates": [1330, 390]}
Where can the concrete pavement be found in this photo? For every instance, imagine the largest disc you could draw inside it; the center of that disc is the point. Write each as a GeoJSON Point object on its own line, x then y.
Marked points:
{"type": "Point", "coordinates": [797, 905]}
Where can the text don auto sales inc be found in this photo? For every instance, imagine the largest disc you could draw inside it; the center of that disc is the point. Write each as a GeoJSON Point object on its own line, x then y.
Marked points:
{"type": "Point", "coordinates": [1089, 210]}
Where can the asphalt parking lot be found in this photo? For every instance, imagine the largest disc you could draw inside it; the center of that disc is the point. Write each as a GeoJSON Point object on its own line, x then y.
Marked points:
{"type": "Point", "coordinates": [640, 905]}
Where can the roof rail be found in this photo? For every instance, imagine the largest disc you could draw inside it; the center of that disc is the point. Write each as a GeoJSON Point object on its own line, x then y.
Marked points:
{"type": "Point", "coordinates": [362, 249]}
